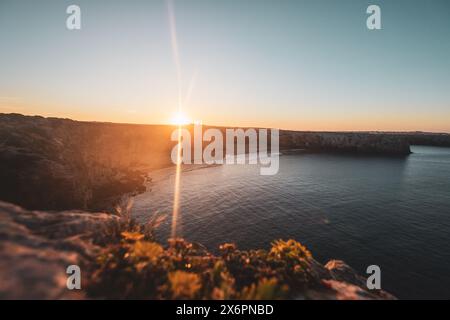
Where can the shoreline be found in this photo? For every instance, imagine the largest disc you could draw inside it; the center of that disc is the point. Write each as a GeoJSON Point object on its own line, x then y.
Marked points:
{"type": "Point", "coordinates": [89, 166]}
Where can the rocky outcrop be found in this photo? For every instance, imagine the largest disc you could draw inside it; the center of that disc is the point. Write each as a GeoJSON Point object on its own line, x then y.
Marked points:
{"type": "Point", "coordinates": [36, 248]}
{"type": "Point", "coordinates": [338, 281]}
{"type": "Point", "coordinates": [59, 164]}
{"type": "Point", "coordinates": [376, 143]}
{"type": "Point", "coordinates": [347, 284]}
{"type": "Point", "coordinates": [346, 142]}
{"type": "Point", "coordinates": [427, 139]}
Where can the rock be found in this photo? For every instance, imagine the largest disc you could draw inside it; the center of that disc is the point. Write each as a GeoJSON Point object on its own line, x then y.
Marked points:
{"type": "Point", "coordinates": [338, 281]}
{"type": "Point", "coordinates": [60, 164]}
{"type": "Point", "coordinates": [340, 271]}
{"type": "Point", "coordinates": [339, 290]}
{"type": "Point", "coordinates": [347, 284]}
{"type": "Point", "coordinates": [346, 142]}
{"type": "Point", "coordinates": [36, 248]}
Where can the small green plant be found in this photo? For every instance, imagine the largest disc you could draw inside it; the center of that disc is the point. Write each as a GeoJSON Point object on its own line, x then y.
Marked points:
{"type": "Point", "coordinates": [125, 224]}
{"type": "Point", "coordinates": [133, 265]}
{"type": "Point", "coordinates": [138, 267]}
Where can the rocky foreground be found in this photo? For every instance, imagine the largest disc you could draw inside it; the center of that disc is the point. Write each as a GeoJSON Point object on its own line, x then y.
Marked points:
{"type": "Point", "coordinates": [36, 247]}
{"type": "Point", "coordinates": [121, 260]}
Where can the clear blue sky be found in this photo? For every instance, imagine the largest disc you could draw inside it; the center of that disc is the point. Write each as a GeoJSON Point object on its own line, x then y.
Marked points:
{"type": "Point", "coordinates": [290, 64]}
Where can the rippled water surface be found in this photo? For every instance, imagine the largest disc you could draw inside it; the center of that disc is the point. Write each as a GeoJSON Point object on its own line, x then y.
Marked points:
{"type": "Point", "coordinates": [393, 212]}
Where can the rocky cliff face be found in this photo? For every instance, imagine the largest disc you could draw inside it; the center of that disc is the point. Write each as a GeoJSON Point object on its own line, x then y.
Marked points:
{"type": "Point", "coordinates": [348, 142]}
{"type": "Point", "coordinates": [377, 143]}
{"type": "Point", "coordinates": [59, 164]}
{"type": "Point", "coordinates": [427, 139]}
{"type": "Point", "coordinates": [36, 247]}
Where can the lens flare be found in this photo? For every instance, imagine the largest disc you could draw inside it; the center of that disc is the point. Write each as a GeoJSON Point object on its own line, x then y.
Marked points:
{"type": "Point", "coordinates": [179, 118]}
{"type": "Point", "coordinates": [176, 194]}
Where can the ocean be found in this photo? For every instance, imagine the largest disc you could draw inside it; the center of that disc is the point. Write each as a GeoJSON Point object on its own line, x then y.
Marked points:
{"type": "Point", "coordinates": [393, 212]}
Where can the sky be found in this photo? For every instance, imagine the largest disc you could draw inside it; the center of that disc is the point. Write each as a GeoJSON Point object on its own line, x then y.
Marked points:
{"type": "Point", "coordinates": [303, 65]}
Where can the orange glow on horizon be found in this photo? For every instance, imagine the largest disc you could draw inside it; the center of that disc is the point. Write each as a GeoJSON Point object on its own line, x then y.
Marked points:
{"type": "Point", "coordinates": [165, 115]}
{"type": "Point", "coordinates": [180, 119]}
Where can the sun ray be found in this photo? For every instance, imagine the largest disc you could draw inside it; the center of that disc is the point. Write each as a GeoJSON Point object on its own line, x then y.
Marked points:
{"type": "Point", "coordinates": [180, 119]}
{"type": "Point", "coordinates": [176, 58]}
{"type": "Point", "coordinates": [176, 194]}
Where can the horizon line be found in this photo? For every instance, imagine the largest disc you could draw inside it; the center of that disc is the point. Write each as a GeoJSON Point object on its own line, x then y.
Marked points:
{"type": "Point", "coordinates": [223, 126]}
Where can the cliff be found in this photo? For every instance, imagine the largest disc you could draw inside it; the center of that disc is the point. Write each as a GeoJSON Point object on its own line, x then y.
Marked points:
{"type": "Point", "coordinates": [36, 247]}
{"type": "Point", "coordinates": [427, 139]}
{"type": "Point", "coordinates": [60, 164]}
{"type": "Point", "coordinates": [346, 142]}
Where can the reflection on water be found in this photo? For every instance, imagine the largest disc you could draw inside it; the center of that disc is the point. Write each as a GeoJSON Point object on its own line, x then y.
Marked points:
{"type": "Point", "coordinates": [393, 212]}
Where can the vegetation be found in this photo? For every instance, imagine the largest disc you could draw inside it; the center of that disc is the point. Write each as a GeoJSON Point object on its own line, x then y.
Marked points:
{"type": "Point", "coordinates": [134, 265]}
{"type": "Point", "coordinates": [140, 268]}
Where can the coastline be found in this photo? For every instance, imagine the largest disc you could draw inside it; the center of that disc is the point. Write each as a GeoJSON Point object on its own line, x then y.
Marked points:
{"type": "Point", "coordinates": [86, 166]}
{"type": "Point", "coordinates": [58, 164]}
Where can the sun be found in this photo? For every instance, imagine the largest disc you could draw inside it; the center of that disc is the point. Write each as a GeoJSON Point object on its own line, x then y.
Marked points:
{"type": "Point", "coordinates": [180, 119]}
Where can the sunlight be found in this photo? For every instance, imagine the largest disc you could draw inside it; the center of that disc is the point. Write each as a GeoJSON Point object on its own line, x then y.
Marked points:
{"type": "Point", "coordinates": [176, 193]}
{"type": "Point", "coordinates": [180, 119]}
